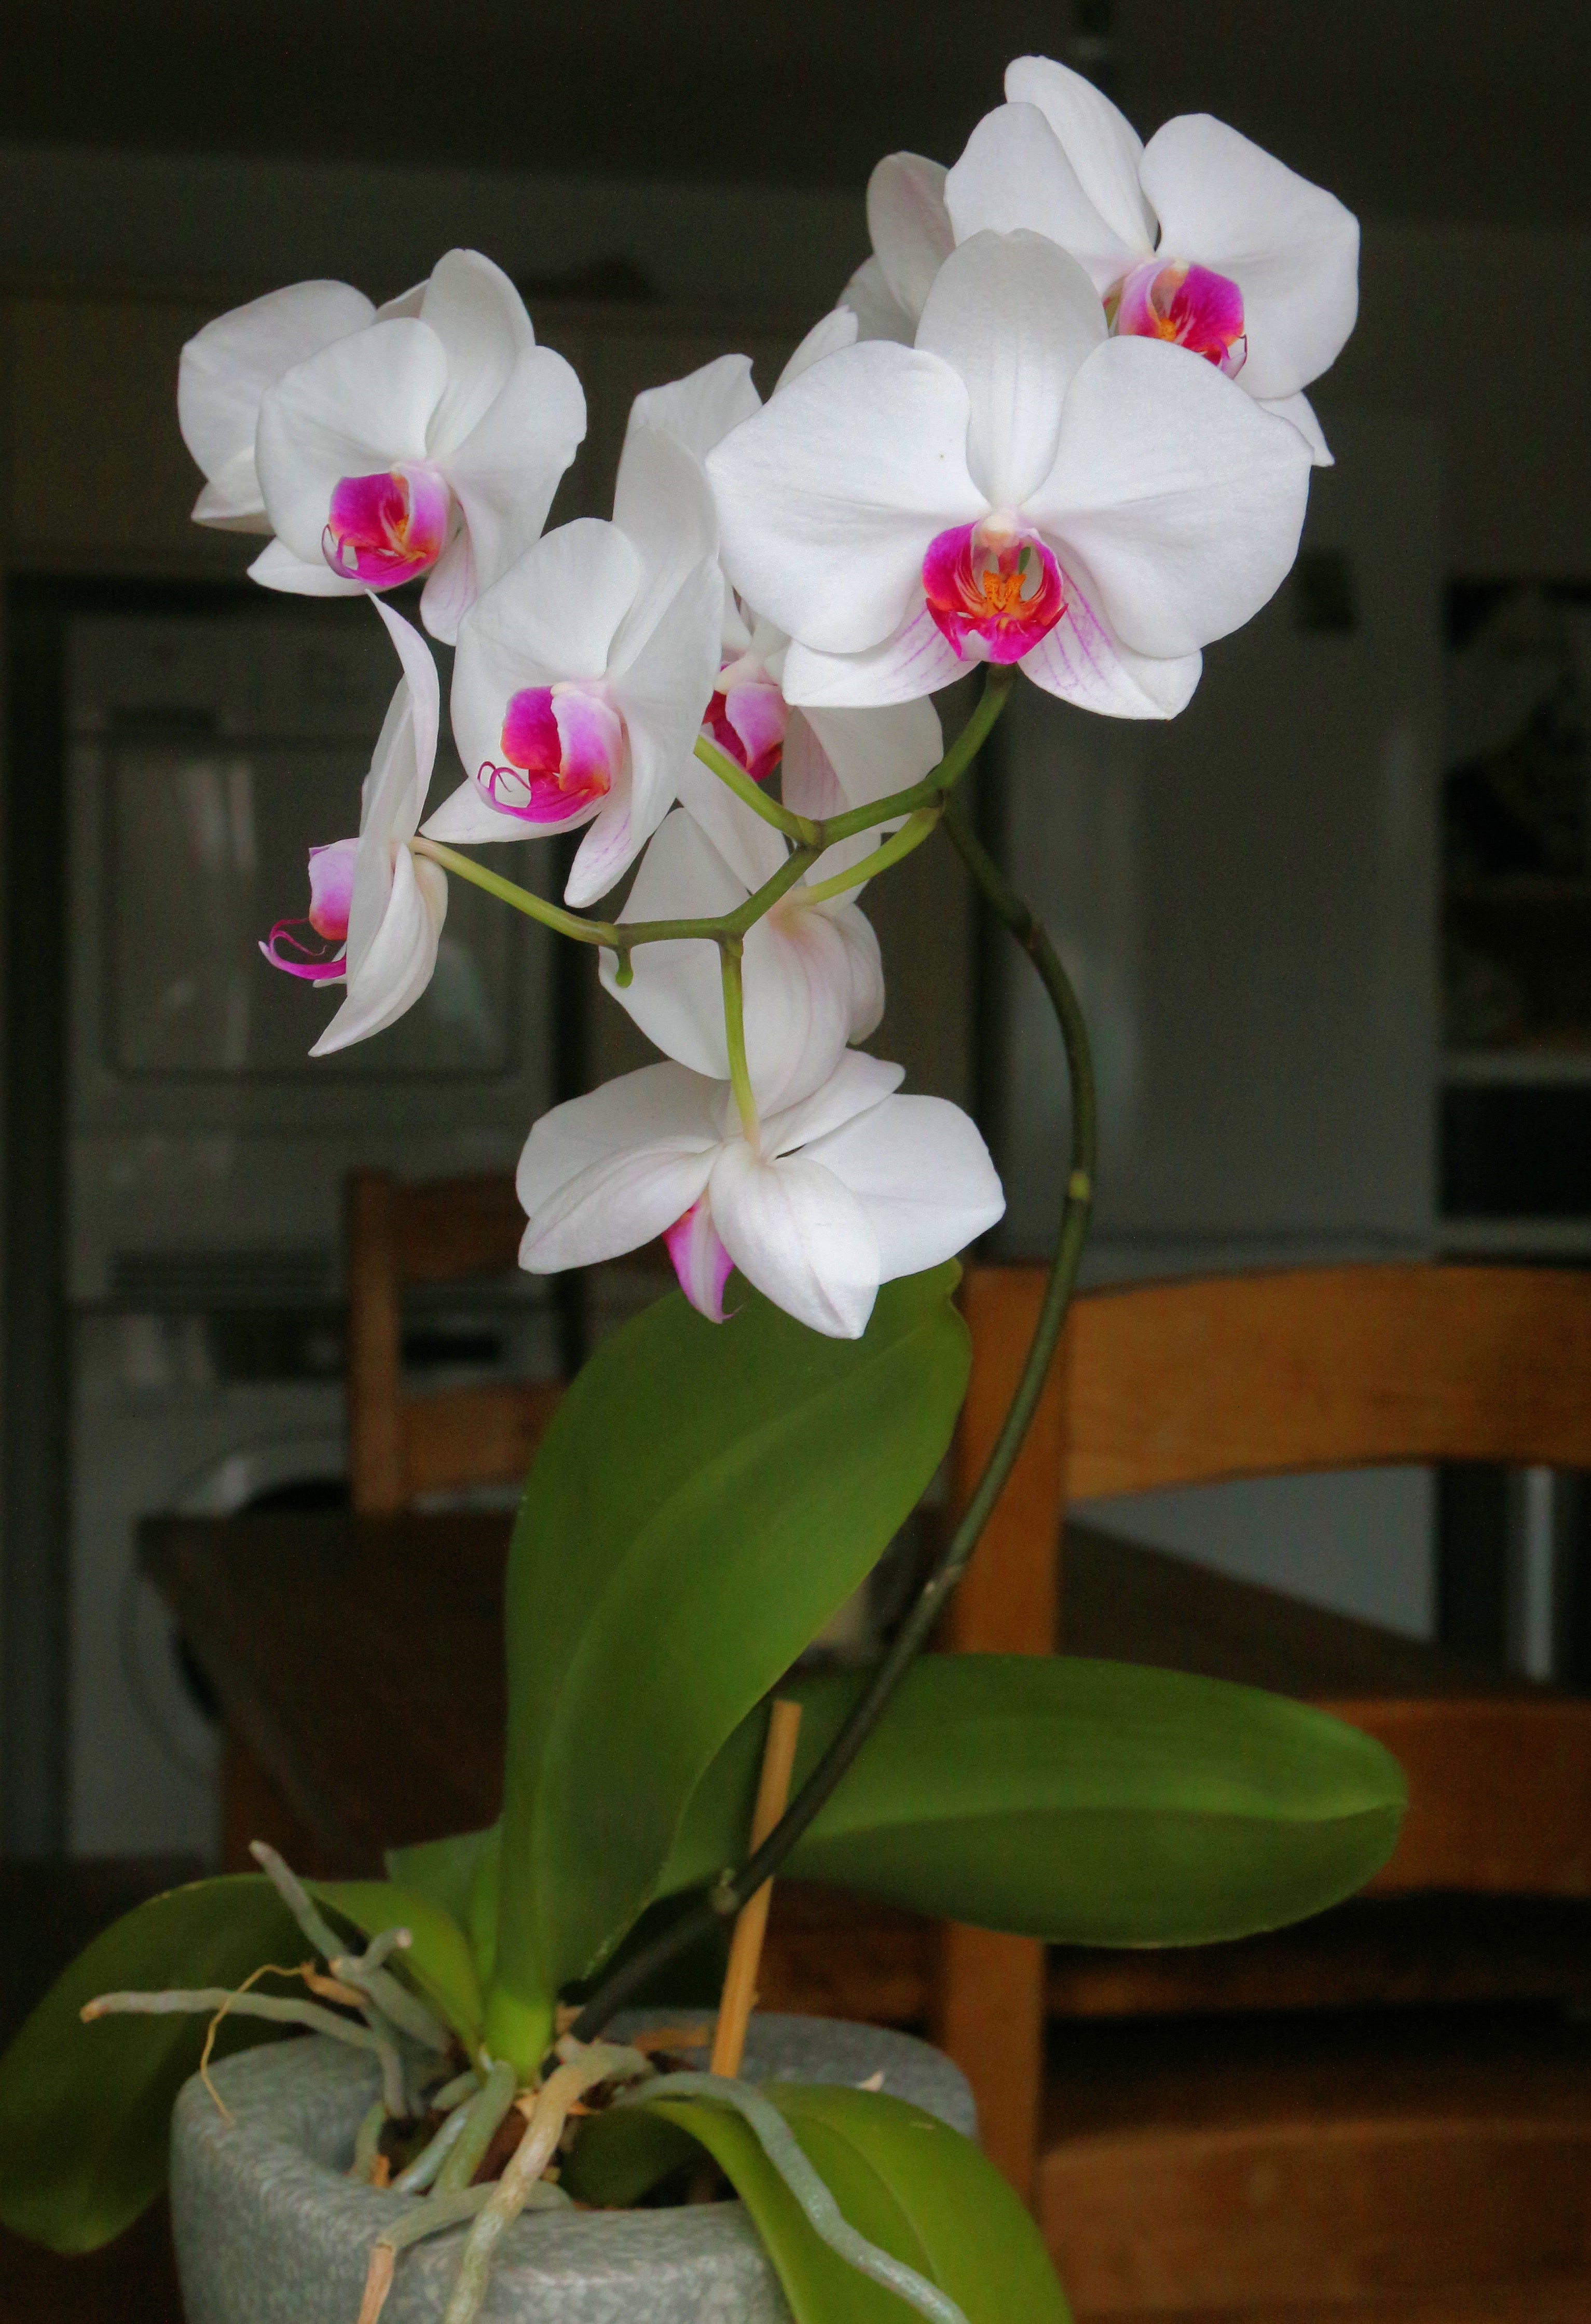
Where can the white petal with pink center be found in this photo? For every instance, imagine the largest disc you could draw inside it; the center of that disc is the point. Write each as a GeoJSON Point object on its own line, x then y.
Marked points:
{"type": "Point", "coordinates": [429, 443]}
{"type": "Point", "coordinates": [384, 906]}
{"type": "Point", "coordinates": [582, 677]}
{"type": "Point", "coordinates": [844, 1191]}
{"type": "Point", "coordinates": [1200, 238]}
{"type": "Point", "coordinates": [1019, 487]}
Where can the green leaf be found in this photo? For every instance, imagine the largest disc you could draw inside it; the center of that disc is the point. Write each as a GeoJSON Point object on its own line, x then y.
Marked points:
{"type": "Point", "coordinates": [460, 1874]}
{"type": "Point", "coordinates": [902, 2178]}
{"type": "Point", "coordinates": [1087, 1802]}
{"type": "Point", "coordinates": [84, 2111]}
{"type": "Point", "coordinates": [706, 1498]}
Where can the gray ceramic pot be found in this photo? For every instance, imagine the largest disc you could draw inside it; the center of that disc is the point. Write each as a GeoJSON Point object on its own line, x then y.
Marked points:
{"type": "Point", "coordinates": [269, 2231]}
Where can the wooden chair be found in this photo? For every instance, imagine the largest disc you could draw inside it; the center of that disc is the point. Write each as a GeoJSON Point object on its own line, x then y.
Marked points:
{"type": "Point", "coordinates": [1254, 2164]}
{"type": "Point", "coordinates": [401, 1446]}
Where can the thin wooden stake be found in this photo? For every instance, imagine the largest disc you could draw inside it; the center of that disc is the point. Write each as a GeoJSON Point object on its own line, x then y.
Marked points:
{"type": "Point", "coordinates": [739, 1984]}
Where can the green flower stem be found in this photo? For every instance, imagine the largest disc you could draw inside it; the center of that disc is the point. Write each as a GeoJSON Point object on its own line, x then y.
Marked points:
{"type": "Point", "coordinates": [800, 828]}
{"type": "Point", "coordinates": [733, 1891]}
{"type": "Point", "coordinates": [940, 779]}
{"type": "Point", "coordinates": [735, 1028]}
{"type": "Point", "coordinates": [915, 830]}
{"type": "Point", "coordinates": [523, 899]}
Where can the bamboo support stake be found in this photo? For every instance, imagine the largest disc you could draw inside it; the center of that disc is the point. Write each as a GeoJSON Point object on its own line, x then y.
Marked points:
{"type": "Point", "coordinates": [739, 1984]}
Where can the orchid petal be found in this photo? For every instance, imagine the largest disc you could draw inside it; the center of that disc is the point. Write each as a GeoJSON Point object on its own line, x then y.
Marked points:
{"type": "Point", "coordinates": [827, 499]}
{"type": "Point", "coordinates": [798, 1235]}
{"type": "Point", "coordinates": [276, 567]}
{"type": "Point", "coordinates": [1082, 662]}
{"type": "Point", "coordinates": [226, 370]}
{"type": "Point", "coordinates": [675, 991]}
{"type": "Point", "coordinates": [552, 615]}
{"type": "Point", "coordinates": [1097, 140]}
{"type": "Point", "coordinates": [664, 689]}
{"type": "Point", "coordinates": [400, 769]}
{"type": "Point", "coordinates": [1299, 414]}
{"type": "Point", "coordinates": [839, 328]}
{"type": "Point", "coordinates": [1014, 173]}
{"type": "Point", "coordinates": [874, 752]}
{"type": "Point", "coordinates": [917, 660]}
{"type": "Point", "coordinates": [857, 1082]}
{"type": "Point", "coordinates": [663, 507]}
{"type": "Point", "coordinates": [507, 468]}
{"type": "Point", "coordinates": [1015, 318]}
{"type": "Point", "coordinates": [923, 1175]}
{"type": "Point", "coordinates": [701, 1262]}
{"type": "Point", "coordinates": [481, 321]}
{"type": "Point", "coordinates": [752, 849]}
{"type": "Point", "coordinates": [908, 226]}
{"type": "Point", "coordinates": [1291, 248]}
{"type": "Point", "coordinates": [1180, 496]}
{"type": "Point", "coordinates": [604, 1172]}
{"type": "Point", "coordinates": [699, 411]}
{"type": "Point", "coordinates": [450, 587]}
{"type": "Point", "coordinates": [609, 848]}
{"type": "Point", "coordinates": [879, 314]}
{"type": "Point", "coordinates": [466, 819]}
{"type": "Point", "coordinates": [397, 961]}
{"type": "Point", "coordinates": [359, 405]}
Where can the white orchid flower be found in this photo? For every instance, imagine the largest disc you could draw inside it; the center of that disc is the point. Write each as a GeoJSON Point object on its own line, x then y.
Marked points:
{"type": "Point", "coordinates": [1017, 487]}
{"type": "Point", "coordinates": [846, 1190]}
{"type": "Point", "coordinates": [582, 677]}
{"type": "Point", "coordinates": [431, 441]}
{"type": "Point", "coordinates": [227, 369]}
{"type": "Point", "coordinates": [377, 908]}
{"type": "Point", "coordinates": [1198, 237]}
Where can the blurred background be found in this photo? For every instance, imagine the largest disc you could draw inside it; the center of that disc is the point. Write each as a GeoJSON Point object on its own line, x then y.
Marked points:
{"type": "Point", "coordinates": [1332, 928]}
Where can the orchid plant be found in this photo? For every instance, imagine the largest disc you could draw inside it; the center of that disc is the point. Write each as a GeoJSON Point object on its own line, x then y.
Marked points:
{"type": "Point", "coordinates": [1056, 425]}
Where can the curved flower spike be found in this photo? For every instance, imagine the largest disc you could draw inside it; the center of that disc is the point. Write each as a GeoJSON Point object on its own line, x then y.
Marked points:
{"type": "Point", "coordinates": [582, 675]}
{"type": "Point", "coordinates": [227, 369]}
{"type": "Point", "coordinates": [430, 442]}
{"type": "Point", "coordinates": [391, 903]}
{"type": "Point", "coordinates": [1200, 238]}
{"type": "Point", "coordinates": [1019, 487]}
{"type": "Point", "coordinates": [846, 1190]}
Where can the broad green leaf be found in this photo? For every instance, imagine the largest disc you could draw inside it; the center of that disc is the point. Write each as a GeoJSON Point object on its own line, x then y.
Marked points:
{"type": "Point", "coordinates": [438, 1960]}
{"type": "Point", "coordinates": [1087, 1802]}
{"type": "Point", "coordinates": [902, 2178]}
{"type": "Point", "coordinates": [460, 1874]}
{"type": "Point", "coordinates": [706, 1498]}
{"type": "Point", "coordinates": [84, 2111]}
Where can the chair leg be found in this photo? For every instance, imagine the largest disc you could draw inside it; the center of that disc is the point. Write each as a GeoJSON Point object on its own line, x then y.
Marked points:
{"type": "Point", "coordinates": [989, 2019]}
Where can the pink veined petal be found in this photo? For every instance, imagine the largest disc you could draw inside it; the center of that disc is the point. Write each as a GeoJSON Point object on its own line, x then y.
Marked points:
{"type": "Point", "coordinates": [799, 1235]}
{"type": "Point", "coordinates": [388, 528]}
{"type": "Point", "coordinates": [1016, 318]}
{"type": "Point", "coordinates": [914, 662]}
{"type": "Point", "coordinates": [1292, 247]}
{"type": "Point", "coordinates": [1180, 496]}
{"type": "Point", "coordinates": [331, 887]}
{"type": "Point", "coordinates": [923, 1177]}
{"type": "Point", "coordinates": [827, 499]}
{"type": "Point", "coordinates": [992, 599]}
{"type": "Point", "coordinates": [1097, 140]}
{"type": "Point", "coordinates": [908, 226]}
{"type": "Point", "coordinates": [1081, 662]}
{"type": "Point", "coordinates": [700, 1260]}
{"type": "Point", "coordinates": [1014, 173]}
{"type": "Point", "coordinates": [1188, 305]}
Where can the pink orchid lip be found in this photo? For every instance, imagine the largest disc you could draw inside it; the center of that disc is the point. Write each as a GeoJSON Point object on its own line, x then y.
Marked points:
{"type": "Point", "coordinates": [700, 1260]}
{"type": "Point", "coordinates": [388, 528]}
{"type": "Point", "coordinates": [746, 718]}
{"type": "Point", "coordinates": [564, 746]}
{"type": "Point", "coordinates": [993, 588]}
{"type": "Point", "coordinates": [319, 956]}
{"type": "Point", "coordinates": [1188, 305]}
